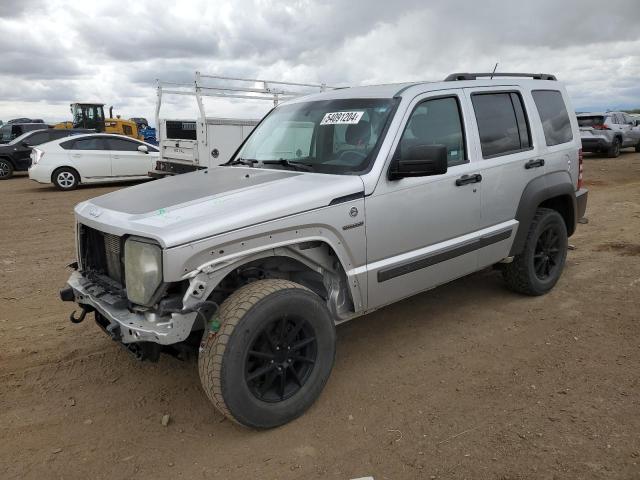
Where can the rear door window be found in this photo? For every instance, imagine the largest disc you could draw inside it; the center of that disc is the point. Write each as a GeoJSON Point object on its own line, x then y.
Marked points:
{"type": "Point", "coordinates": [88, 144]}
{"type": "Point", "coordinates": [122, 145]}
{"type": "Point", "coordinates": [502, 123]}
{"type": "Point", "coordinates": [553, 114]}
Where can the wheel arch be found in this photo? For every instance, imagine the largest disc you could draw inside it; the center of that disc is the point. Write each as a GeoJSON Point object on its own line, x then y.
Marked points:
{"type": "Point", "coordinates": [314, 264]}
{"type": "Point", "coordinates": [555, 191]}
{"type": "Point", "coordinates": [8, 159]}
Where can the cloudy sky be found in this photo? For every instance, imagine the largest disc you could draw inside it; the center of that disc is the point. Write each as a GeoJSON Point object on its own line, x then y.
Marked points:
{"type": "Point", "coordinates": [55, 52]}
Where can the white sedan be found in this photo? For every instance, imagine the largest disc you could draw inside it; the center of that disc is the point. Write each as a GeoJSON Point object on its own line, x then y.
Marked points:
{"type": "Point", "coordinates": [92, 158]}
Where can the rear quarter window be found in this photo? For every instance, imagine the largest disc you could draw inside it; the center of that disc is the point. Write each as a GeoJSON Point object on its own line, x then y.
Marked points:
{"type": "Point", "coordinates": [553, 114]}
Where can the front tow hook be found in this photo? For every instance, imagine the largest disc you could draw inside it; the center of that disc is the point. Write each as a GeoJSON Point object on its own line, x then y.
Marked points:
{"type": "Point", "coordinates": [83, 314]}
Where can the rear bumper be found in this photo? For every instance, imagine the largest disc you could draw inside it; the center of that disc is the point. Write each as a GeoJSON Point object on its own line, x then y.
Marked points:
{"type": "Point", "coordinates": [581, 202]}
{"type": "Point", "coordinates": [158, 174]}
{"type": "Point", "coordinates": [164, 168]}
{"type": "Point", "coordinates": [125, 325]}
{"type": "Point", "coordinates": [40, 173]}
{"type": "Point", "coordinates": [593, 144]}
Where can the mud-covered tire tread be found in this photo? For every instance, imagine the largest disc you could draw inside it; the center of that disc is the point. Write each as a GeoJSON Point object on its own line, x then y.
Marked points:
{"type": "Point", "coordinates": [231, 312]}
{"type": "Point", "coordinates": [516, 273]}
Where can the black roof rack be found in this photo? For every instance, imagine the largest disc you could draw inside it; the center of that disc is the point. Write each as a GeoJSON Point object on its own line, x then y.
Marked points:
{"type": "Point", "coordinates": [473, 76]}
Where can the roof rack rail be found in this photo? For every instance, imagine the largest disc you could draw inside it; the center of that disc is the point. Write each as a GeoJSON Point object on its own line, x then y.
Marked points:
{"type": "Point", "coordinates": [473, 76]}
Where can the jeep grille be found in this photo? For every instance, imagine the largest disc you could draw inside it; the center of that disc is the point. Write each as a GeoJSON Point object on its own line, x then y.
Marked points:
{"type": "Point", "coordinates": [100, 253]}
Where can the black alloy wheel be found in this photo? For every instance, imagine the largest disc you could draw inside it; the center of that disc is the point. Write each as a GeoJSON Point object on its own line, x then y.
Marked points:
{"type": "Point", "coordinates": [547, 255]}
{"type": "Point", "coordinates": [281, 359]}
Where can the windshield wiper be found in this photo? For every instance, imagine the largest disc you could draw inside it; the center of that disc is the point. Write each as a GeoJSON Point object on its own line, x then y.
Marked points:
{"type": "Point", "coordinates": [241, 161]}
{"type": "Point", "coordinates": [286, 163]}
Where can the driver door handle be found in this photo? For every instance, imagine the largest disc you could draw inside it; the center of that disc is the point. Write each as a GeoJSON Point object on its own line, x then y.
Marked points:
{"type": "Point", "coordinates": [539, 162]}
{"type": "Point", "coordinates": [466, 179]}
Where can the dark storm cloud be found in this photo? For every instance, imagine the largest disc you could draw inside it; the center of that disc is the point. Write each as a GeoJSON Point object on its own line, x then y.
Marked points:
{"type": "Point", "coordinates": [115, 51]}
{"type": "Point", "coordinates": [59, 91]}
{"type": "Point", "coordinates": [38, 66]}
{"type": "Point", "coordinates": [146, 37]}
{"type": "Point", "coordinates": [16, 8]}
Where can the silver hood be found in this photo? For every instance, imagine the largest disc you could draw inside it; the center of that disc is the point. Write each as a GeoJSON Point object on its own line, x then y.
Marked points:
{"type": "Point", "coordinates": [189, 207]}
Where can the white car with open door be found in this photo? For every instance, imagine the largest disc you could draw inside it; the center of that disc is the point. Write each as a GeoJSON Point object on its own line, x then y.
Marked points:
{"type": "Point", "coordinates": [92, 158]}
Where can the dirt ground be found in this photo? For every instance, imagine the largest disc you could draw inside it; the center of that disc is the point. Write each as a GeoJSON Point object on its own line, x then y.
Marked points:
{"type": "Point", "coordinates": [466, 381]}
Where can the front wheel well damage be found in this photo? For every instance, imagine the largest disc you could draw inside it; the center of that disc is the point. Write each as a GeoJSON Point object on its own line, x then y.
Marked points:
{"type": "Point", "coordinates": [314, 265]}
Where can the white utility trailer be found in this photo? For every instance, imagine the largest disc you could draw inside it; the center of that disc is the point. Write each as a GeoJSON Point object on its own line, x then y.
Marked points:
{"type": "Point", "coordinates": [187, 144]}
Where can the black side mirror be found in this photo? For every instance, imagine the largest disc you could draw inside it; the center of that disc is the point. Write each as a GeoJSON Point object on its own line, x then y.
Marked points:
{"type": "Point", "coordinates": [420, 161]}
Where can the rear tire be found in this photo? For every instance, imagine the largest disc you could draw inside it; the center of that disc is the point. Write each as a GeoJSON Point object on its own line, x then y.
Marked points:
{"type": "Point", "coordinates": [6, 169]}
{"type": "Point", "coordinates": [538, 267]}
{"type": "Point", "coordinates": [65, 178]}
{"type": "Point", "coordinates": [638, 147]}
{"type": "Point", "coordinates": [614, 150]}
{"type": "Point", "coordinates": [271, 356]}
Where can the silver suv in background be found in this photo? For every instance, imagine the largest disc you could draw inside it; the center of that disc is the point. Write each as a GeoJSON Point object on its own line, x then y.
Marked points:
{"type": "Point", "coordinates": [336, 205]}
{"type": "Point", "coordinates": [609, 132]}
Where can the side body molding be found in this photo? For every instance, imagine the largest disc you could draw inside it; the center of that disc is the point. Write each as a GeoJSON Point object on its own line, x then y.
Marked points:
{"type": "Point", "coordinates": [537, 191]}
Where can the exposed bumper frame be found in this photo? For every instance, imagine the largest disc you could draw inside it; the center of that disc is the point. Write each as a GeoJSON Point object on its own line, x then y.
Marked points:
{"type": "Point", "coordinates": [132, 326]}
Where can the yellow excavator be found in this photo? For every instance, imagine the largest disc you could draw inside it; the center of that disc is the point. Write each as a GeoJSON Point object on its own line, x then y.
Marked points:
{"type": "Point", "coordinates": [91, 115]}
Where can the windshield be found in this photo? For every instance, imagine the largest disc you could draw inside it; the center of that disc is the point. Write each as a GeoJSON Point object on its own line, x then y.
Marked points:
{"type": "Point", "coordinates": [332, 136]}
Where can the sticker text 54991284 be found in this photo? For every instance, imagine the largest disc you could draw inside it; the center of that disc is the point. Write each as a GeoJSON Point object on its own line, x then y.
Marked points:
{"type": "Point", "coordinates": [337, 118]}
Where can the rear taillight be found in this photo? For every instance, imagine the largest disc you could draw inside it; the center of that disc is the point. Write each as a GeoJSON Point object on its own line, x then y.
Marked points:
{"type": "Point", "coordinates": [580, 169]}
{"type": "Point", "coordinates": [36, 156]}
{"type": "Point", "coordinates": [601, 127]}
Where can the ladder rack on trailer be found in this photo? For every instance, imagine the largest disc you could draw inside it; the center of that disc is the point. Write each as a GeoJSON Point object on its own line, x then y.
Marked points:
{"type": "Point", "coordinates": [216, 139]}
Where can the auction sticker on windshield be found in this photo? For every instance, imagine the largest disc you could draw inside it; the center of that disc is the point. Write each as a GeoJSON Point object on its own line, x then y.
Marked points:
{"type": "Point", "coordinates": [338, 118]}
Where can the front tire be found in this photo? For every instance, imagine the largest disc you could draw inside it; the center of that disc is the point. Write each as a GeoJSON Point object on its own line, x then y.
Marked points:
{"type": "Point", "coordinates": [6, 169]}
{"type": "Point", "coordinates": [65, 178]}
{"type": "Point", "coordinates": [538, 267]}
{"type": "Point", "coordinates": [271, 356]}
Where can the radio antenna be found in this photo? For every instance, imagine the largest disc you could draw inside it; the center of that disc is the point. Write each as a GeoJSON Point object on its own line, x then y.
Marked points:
{"type": "Point", "coordinates": [494, 70]}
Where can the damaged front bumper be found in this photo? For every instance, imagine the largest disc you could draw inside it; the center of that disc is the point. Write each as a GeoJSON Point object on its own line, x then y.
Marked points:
{"type": "Point", "coordinates": [123, 324]}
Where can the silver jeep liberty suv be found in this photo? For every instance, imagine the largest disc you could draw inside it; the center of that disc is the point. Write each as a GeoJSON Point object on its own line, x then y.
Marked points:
{"type": "Point", "coordinates": [337, 204]}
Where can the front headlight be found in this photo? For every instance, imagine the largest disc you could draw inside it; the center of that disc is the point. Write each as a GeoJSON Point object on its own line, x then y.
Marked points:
{"type": "Point", "coordinates": [142, 269]}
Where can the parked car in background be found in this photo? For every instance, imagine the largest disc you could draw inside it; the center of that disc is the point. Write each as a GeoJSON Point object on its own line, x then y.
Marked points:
{"type": "Point", "coordinates": [608, 132]}
{"type": "Point", "coordinates": [9, 131]}
{"type": "Point", "coordinates": [15, 156]}
{"type": "Point", "coordinates": [93, 158]}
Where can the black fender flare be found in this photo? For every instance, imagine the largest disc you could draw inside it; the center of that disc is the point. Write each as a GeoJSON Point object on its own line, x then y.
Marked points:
{"type": "Point", "coordinates": [540, 189]}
